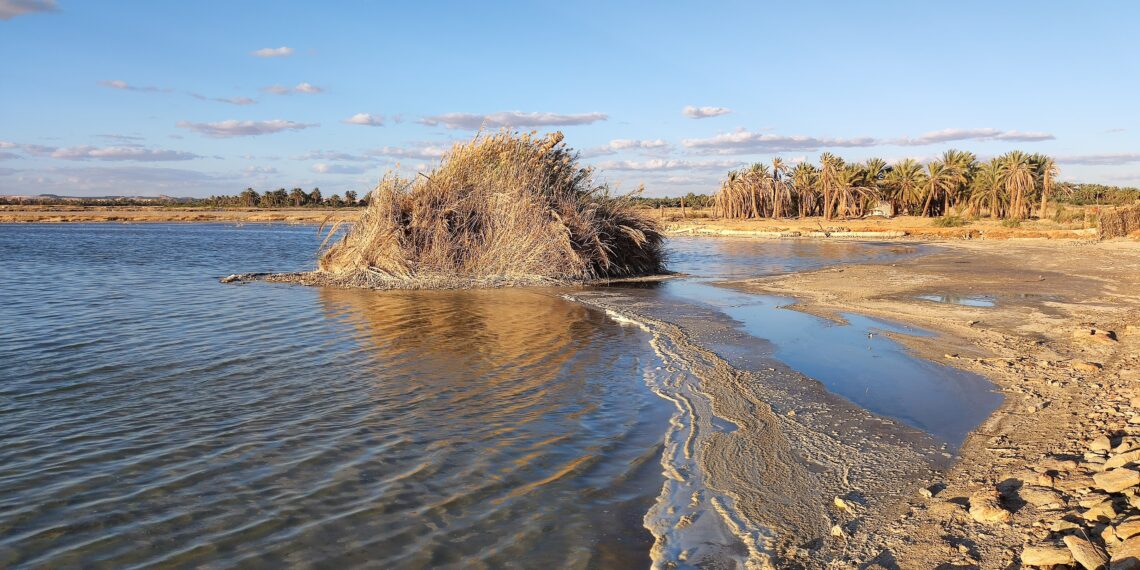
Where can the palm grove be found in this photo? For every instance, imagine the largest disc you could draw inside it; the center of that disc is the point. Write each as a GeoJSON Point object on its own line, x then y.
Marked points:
{"type": "Point", "coordinates": [1014, 185]}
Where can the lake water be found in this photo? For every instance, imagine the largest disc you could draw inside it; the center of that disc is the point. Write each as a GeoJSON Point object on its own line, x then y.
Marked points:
{"type": "Point", "coordinates": [150, 416]}
{"type": "Point", "coordinates": [153, 417]}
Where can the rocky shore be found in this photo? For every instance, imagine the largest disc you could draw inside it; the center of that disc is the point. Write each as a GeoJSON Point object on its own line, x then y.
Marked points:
{"type": "Point", "coordinates": [1050, 479]}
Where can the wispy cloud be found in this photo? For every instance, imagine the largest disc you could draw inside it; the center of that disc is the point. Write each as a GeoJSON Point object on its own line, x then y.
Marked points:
{"type": "Point", "coordinates": [1116, 130]}
{"type": "Point", "coordinates": [323, 168]}
{"type": "Point", "coordinates": [704, 112]}
{"type": "Point", "coordinates": [366, 119]}
{"type": "Point", "coordinates": [8, 155]}
{"type": "Point", "coordinates": [236, 128]}
{"type": "Point", "coordinates": [949, 135]}
{"type": "Point", "coordinates": [425, 151]}
{"type": "Point", "coordinates": [661, 165]}
{"type": "Point", "coordinates": [1110, 159]}
{"type": "Point", "coordinates": [11, 8]}
{"type": "Point", "coordinates": [120, 138]}
{"type": "Point", "coordinates": [744, 142]}
{"type": "Point", "coordinates": [302, 87]}
{"type": "Point", "coordinates": [282, 51]}
{"type": "Point", "coordinates": [332, 156]}
{"type": "Point", "coordinates": [123, 85]}
{"type": "Point", "coordinates": [230, 100]}
{"type": "Point", "coordinates": [469, 121]}
{"type": "Point", "coordinates": [656, 146]}
{"type": "Point", "coordinates": [121, 153]}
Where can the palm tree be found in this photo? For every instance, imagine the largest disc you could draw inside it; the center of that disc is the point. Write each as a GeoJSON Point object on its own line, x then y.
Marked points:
{"type": "Point", "coordinates": [986, 190]}
{"type": "Point", "coordinates": [1019, 182]}
{"type": "Point", "coordinates": [961, 165]}
{"type": "Point", "coordinates": [803, 183]}
{"type": "Point", "coordinates": [1047, 172]}
{"type": "Point", "coordinates": [940, 179]}
{"type": "Point", "coordinates": [780, 191]}
{"type": "Point", "coordinates": [905, 181]}
{"type": "Point", "coordinates": [828, 181]}
{"type": "Point", "coordinates": [298, 197]}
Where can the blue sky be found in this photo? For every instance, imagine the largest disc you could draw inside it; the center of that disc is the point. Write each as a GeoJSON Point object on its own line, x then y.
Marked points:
{"type": "Point", "coordinates": [209, 97]}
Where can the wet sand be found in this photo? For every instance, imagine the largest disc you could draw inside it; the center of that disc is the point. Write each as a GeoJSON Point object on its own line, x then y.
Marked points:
{"type": "Point", "coordinates": [1063, 387]}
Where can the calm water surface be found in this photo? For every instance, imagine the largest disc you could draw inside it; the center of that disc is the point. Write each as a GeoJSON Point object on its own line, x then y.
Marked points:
{"type": "Point", "coordinates": [152, 417]}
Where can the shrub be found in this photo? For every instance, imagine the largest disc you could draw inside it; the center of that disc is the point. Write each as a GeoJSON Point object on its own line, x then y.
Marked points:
{"type": "Point", "coordinates": [1119, 222]}
{"type": "Point", "coordinates": [1011, 223]}
{"type": "Point", "coordinates": [949, 222]}
{"type": "Point", "coordinates": [506, 208]}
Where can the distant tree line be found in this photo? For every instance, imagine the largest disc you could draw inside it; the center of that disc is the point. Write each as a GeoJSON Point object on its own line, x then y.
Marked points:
{"type": "Point", "coordinates": [249, 198]}
{"type": "Point", "coordinates": [1015, 186]}
{"type": "Point", "coordinates": [280, 198]}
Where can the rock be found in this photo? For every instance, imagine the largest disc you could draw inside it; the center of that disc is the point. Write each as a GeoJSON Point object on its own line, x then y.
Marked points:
{"type": "Point", "coordinates": [1103, 512]}
{"type": "Point", "coordinates": [1086, 366]}
{"type": "Point", "coordinates": [230, 278]}
{"type": "Point", "coordinates": [837, 530]}
{"type": "Point", "coordinates": [1046, 555]}
{"type": "Point", "coordinates": [985, 507]}
{"type": "Point", "coordinates": [1117, 480]}
{"type": "Point", "coordinates": [926, 493]}
{"type": "Point", "coordinates": [1126, 555]}
{"type": "Point", "coordinates": [1128, 529]}
{"type": "Point", "coordinates": [1037, 495]}
{"type": "Point", "coordinates": [1122, 459]}
{"type": "Point", "coordinates": [1074, 482]}
{"type": "Point", "coordinates": [1101, 443]}
{"type": "Point", "coordinates": [1063, 525]}
{"type": "Point", "coordinates": [1095, 335]}
{"type": "Point", "coordinates": [1087, 554]}
{"type": "Point", "coordinates": [843, 505]}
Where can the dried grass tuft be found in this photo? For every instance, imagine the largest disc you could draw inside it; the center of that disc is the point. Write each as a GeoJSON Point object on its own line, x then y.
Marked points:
{"type": "Point", "coordinates": [1119, 222]}
{"type": "Point", "coordinates": [504, 208]}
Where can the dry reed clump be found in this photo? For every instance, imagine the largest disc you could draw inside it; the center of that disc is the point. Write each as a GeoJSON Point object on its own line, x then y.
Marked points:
{"type": "Point", "coordinates": [502, 209]}
{"type": "Point", "coordinates": [1119, 222]}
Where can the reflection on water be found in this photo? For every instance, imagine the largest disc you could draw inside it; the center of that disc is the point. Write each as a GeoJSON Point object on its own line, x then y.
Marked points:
{"type": "Point", "coordinates": [727, 258]}
{"type": "Point", "coordinates": [151, 416]}
{"type": "Point", "coordinates": [964, 300]}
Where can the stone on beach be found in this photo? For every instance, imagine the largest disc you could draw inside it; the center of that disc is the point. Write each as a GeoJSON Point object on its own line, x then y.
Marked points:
{"type": "Point", "coordinates": [1046, 555]}
{"type": "Point", "coordinates": [1126, 556]}
{"type": "Point", "coordinates": [985, 507]}
{"type": "Point", "coordinates": [1117, 480]}
{"type": "Point", "coordinates": [1087, 554]}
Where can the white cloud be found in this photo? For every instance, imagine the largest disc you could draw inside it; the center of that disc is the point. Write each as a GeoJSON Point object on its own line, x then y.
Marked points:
{"type": "Point", "coordinates": [11, 8]}
{"type": "Point", "coordinates": [258, 170]}
{"type": "Point", "coordinates": [117, 153]}
{"type": "Point", "coordinates": [282, 51]}
{"type": "Point", "coordinates": [123, 85]}
{"type": "Point", "coordinates": [7, 144]}
{"type": "Point", "coordinates": [302, 87]}
{"type": "Point", "coordinates": [125, 181]}
{"type": "Point", "coordinates": [704, 112]}
{"type": "Point", "coordinates": [323, 168]}
{"type": "Point", "coordinates": [236, 128]}
{"type": "Point", "coordinates": [1111, 159]}
{"type": "Point", "coordinates": [230, 100]}
{"type": "Point", "coordinates": [510, 119]}
{"type": "Point", "coordinates": [365, 119]}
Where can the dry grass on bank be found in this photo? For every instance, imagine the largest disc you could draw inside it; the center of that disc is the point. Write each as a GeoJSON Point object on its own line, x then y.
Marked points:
{"type": "Point", "coordinates": [505, 208]}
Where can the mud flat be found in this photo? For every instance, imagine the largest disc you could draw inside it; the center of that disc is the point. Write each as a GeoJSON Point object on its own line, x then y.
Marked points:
{"type": "Point", "coordinates": [1062, 341]}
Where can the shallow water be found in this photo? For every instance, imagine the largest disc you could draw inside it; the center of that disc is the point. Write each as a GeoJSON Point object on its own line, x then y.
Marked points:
{"type": "Point", "coordinates": [852, 359]}
{"type": "Point", "coordinates": [150, 416]}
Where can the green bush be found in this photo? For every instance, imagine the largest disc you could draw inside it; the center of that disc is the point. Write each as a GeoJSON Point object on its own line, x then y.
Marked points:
{"type": "Point", "coordinates": [949, 222]}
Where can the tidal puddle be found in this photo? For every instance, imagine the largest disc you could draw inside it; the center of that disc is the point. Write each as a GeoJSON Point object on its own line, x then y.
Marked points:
{"type": "Point", "coordinates": [855, 360]}
{"type": "Point", "coordinates": [964, 300]}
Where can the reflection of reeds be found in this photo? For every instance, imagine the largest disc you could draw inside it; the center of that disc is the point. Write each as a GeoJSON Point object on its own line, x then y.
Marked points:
{"type": "Point", "coordinates": [503, 208]}
{"type": "Point", "coordinates": [1119, 222]}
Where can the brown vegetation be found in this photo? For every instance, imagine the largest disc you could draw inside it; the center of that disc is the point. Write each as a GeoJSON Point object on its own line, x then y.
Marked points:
{"type": "Point", "coordinates": [1119, 222]}
{"type": "Point", "coordinates": [506, 208]}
